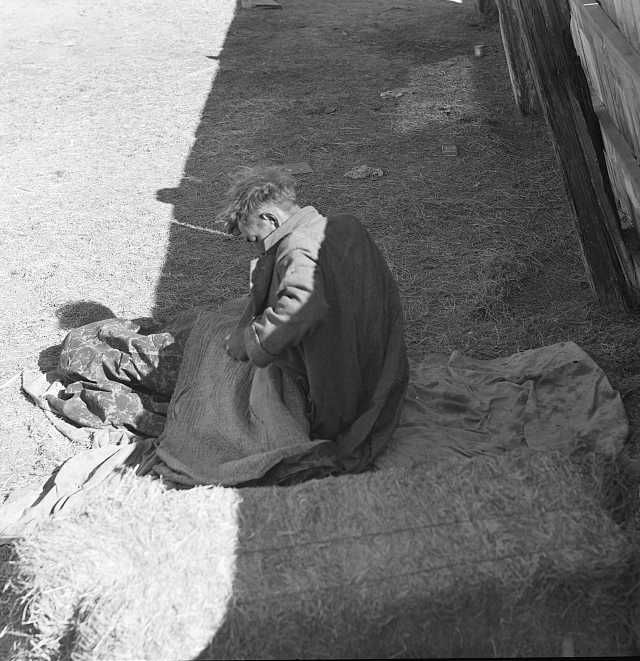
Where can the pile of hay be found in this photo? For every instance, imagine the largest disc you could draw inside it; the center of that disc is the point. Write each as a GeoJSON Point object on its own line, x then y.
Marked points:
{"type": "Point", "coordinates": [139, 572]}
{"type": "Point", "coordinates": [509, 557]}
{"type": "Point", "coordinates": [499, 556]}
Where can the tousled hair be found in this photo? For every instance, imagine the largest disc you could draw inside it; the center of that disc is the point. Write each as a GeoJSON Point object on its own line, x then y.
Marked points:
{"type": "Point", "coordinates": [252, 187]}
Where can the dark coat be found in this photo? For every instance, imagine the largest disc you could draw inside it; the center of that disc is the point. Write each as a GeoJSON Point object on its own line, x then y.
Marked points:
{"type": "Point", "coordinates": [327, 310]}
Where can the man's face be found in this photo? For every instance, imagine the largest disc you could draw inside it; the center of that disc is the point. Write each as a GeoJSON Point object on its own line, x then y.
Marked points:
{"type": "Point", "coordinates": [257, 226]}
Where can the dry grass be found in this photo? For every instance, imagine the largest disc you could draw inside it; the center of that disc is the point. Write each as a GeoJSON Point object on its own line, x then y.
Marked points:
{"type": "Point", "coordinates": [139, 573]}
{"type": "Point", "coordinates": [504, 556]}
{"type": "Point", "coordinates": [99, 106]}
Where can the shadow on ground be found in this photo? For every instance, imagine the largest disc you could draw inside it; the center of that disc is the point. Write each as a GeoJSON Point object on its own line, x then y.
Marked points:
{"type": "Point", "coordinates": [72, 315]}
{"type": "Point", "coordinates": [303, 84]}
{"type": "Point", "coordinates": [474, 240]}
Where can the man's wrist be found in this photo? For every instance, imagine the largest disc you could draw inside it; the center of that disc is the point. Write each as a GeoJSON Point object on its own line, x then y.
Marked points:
{"type": "Point", "coordinates": [257, 353]}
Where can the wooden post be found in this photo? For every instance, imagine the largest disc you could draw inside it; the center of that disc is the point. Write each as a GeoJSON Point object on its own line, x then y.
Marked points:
{"type": "Point", "coordinates": [524, 91]}
{"type": "Point", "coordinates": [566, 103]}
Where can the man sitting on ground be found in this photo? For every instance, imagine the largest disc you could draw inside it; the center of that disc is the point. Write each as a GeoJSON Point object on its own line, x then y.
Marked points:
{"type": "Point", "coordinates": [325, 308]}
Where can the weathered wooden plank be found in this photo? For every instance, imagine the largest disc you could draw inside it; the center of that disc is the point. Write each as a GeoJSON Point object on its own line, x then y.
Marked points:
{"type": "Point", "coordinates": [624, 172]}
{"type": "Point", "coordinates": [588, 57]}
{"type": "Point", "coordinates": [626, 15]}
{"type": "Point", "coordinates": [625, 179]}
{"type": "Point", "coordinates": [608, 61]}
{"type": "Point", "coordinates": [612, 66]}
{"type": "Point", "coordinates": [524, 92]}
{"type": "Point", "coordinates": [609, 36]}
{"type": "Point", "coordinates": [566, 103]}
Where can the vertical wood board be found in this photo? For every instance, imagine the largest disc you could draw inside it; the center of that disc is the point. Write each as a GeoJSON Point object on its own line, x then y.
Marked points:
{"type": "Point", "coordinates": [611, 65]}
{"type": "Point", "coordinates": [566, 102]}
{"type": "Point", "coordinates": [524, 92]}
{"type": "Point", "coordinates": [624, 172]}
{"type": "Point", "coordinates": [626, 15]}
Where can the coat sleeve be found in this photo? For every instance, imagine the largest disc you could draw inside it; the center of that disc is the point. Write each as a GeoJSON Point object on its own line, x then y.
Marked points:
{"type": "Point", "coordinates": [299, 307]}
{"type": "Point", "coordinates": [247, 316]}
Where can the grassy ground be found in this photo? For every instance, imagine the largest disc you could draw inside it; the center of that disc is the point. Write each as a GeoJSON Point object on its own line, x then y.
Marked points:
{"type": "Point", "coordinates": [126, 116]}
{"type": "Point", "coordinates": [100, 102]}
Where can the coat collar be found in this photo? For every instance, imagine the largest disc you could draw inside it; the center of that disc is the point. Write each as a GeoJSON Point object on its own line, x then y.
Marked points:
{"type": "Point", "coordinates": [292, 223]}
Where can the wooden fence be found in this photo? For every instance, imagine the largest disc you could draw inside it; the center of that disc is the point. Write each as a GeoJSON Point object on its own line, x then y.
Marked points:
{"type": "Point", "coordinates": [607, 38]}
{"type": "Point", "coordinates": [578, 61]}
{"type": "Point", "coordinates": [626, 15]}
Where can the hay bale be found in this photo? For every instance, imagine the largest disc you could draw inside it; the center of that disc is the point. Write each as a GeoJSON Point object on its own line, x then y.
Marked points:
{"type": "Point", "coordinates": [490, 556]}
{"type": "Point", "coordinates": [7, 558]}
{"type": "Point", "coordinates": [139, 572]}
{"type": "Point", "coordinates": [486, 557]}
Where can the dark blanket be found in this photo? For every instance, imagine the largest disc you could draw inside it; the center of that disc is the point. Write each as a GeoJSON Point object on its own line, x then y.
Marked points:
{"type": "Point", "coordinates": [219, 421]}
{"type": "Point", "coordinates": [229, 423]}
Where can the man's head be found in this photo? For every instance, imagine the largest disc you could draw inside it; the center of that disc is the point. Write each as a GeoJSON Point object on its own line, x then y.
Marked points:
{"type": "Point", "coordinates": [259, 201]}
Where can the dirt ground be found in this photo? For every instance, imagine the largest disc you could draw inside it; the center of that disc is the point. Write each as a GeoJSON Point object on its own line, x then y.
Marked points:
{"type": "Point", "coordinates": [123, 117]}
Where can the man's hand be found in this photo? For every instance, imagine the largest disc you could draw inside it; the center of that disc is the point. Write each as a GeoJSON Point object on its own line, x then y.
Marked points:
{"type": "Point", "coordinates": [234, 345]}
